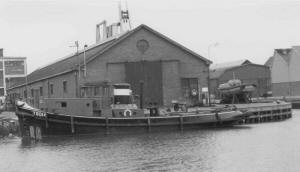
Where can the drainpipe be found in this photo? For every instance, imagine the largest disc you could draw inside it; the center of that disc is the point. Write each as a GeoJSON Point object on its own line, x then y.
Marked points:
{"type": "Point", "coordinates": [141, 94]}
{"type": "Point", "coordinates": [208, 85]}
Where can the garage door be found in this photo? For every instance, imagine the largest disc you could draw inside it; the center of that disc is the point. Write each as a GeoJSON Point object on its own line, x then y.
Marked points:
{"type": "Point", "coordinates": [150, 72]}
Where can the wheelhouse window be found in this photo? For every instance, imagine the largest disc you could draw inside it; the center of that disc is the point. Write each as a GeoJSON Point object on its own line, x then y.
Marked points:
{"type": "Point", "coordinates": [86, 91]}
{"type": "Point", "coordinates": [63, 104]}
{"type": "Point", "coordinates": [97, 91]}
{"type": "Point", "coordinates": [94, 91]}
{"type": "Point", "coordinates": [122, 100]}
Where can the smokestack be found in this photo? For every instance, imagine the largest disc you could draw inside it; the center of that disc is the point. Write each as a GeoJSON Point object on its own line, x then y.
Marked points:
{"type": "Point", "coordinates": [100, 36]}
{"type": "Point", "coordinates": [103, 31]}
{"type": "Point", "coordinates": [1, 52]}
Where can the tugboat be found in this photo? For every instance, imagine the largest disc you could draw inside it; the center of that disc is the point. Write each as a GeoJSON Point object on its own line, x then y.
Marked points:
{"type": "Point", "coordinates": [115, 113]}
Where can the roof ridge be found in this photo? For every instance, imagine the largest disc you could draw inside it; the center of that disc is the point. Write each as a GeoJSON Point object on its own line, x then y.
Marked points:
{"type": "Point", "coordinates": [72, 55]}
{"type": "Point", "coordinates": [68, 62]}
{"type": "Point", "coordinates": [229, 64]}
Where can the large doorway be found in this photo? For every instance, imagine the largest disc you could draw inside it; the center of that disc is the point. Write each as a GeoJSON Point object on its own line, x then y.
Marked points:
{"type": "Point", "coordinates": [150, 73]}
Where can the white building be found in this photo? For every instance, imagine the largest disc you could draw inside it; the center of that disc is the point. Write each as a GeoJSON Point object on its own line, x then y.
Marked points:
{"type": "Point", "coordinates": [285, 71]}
{"type": "Point", "coordinates": [12, 70]}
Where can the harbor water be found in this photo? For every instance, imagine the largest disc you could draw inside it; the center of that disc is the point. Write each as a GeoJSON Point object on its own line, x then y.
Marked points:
{"type": "Point", "coordinates": [272, 146]}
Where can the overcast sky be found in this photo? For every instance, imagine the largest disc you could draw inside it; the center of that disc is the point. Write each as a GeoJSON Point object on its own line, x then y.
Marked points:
{"type": "Point", "coordinates": [44, 30]}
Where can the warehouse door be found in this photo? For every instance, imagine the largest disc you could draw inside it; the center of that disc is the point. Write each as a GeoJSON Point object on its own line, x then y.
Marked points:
{"type": "Point", "coordinates": [115, 72]}
{"type": "Point", "coordinates": [150, 72]}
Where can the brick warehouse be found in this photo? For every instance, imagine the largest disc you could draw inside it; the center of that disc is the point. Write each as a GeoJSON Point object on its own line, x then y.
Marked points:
{"type": "Point", "coordinates": [243, 70]}
{"type": "Point", "coordinates": [169, 70]}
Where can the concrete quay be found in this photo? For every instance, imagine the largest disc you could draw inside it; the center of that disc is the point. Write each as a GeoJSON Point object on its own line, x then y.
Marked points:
{"type": "Point", "coordinates": [266, 112]}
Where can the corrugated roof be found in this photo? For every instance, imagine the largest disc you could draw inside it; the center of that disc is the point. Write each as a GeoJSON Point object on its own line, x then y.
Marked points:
{"type": "Point", "coordinates": [66, 64]}
{"type": "Point", "coordinates": [218, 69]}
{"type": "Point", "coordinates": [230, 64]}
{"type": "Point", "coordinates": [13, 58]}
{"type": "Point", "coordinates": [71, 62]}
{"type": "Point", "coordinates": [216, 73]}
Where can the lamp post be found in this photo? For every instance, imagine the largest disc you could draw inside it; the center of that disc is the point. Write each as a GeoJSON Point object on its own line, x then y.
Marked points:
{"type": "Point", "coordinates": [84, 59]}
{"type": "Point", "coordinates": [208, 77]}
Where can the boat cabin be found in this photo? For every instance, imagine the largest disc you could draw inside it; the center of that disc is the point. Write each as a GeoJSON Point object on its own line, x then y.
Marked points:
{"type": "Point", "coordinates": [97, 99]}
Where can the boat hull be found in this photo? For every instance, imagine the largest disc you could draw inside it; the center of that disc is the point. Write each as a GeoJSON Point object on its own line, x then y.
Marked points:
{"type": "Point", "coordinates": [35, 123]}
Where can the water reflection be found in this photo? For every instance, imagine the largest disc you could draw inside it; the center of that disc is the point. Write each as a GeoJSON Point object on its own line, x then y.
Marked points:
{"type": "Point", "coordinates": [222, 149]}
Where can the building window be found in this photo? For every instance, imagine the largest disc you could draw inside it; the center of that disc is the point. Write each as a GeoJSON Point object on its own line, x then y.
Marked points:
{"type": "Point", "coordinates": [98, 91]}
{"type": "Point", "coordinates": [41, 91]}
{"type": "Point", "coordinates": [32, 92]}
{"type": "Point", "coordinates": [189, 87]}
{"type": "Point", "coordinates": [51, 88]}
{"type": "Point", "coordinates": [1, 91]}
{"type": "Point", "coordinates": [65, 87]}
{"type": "Point", "coordinates": [25, 94]}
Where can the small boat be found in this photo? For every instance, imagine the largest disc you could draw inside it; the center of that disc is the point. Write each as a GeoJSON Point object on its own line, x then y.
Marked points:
{"type": "Point", "coordinates": [120, 118]}
{"type": "Point", "coordinates": [235, 92]}
{"type": "Point", "coordinates": [236, 87]}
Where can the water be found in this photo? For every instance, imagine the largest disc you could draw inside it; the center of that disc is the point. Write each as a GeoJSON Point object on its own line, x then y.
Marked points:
{"type": "Point", "coordinates": [256, 147]}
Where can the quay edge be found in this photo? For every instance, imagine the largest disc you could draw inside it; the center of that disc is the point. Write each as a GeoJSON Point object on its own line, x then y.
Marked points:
{"type": "Point", "coordinates": [266, 112]}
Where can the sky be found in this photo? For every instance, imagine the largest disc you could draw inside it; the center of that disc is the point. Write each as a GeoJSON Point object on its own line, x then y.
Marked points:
{"type": "Point", "coordinates": [44, 30]}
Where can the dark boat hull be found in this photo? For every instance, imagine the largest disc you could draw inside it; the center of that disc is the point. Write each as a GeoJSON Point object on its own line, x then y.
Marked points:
{"type": "Point", "coordinates": [35, 123]}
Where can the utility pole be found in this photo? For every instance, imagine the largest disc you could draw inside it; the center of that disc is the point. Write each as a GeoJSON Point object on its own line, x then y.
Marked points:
{"type": "Point", "coordinates": [78, 73]}
{"type": "Point", "coordinates": [208, 77]}
{"type": "Point", "coordinates": [77, 51]}
{"type": "Point", "coordinates": [84, 60]}
{"type": "Point", "coordinates": [208, 85]}
{"type": "Point", "coordinates": [4, 79]}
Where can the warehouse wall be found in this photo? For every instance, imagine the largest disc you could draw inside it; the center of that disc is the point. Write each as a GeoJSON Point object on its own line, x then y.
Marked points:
{"type": "Point", "coordinates": [109, 66]}
{"type": "Point", "coordinates": [286, 88]}
{"type": "Point", "coordinates": [250, 74]}
{"type": "Point", "coordinates": [176, 63]}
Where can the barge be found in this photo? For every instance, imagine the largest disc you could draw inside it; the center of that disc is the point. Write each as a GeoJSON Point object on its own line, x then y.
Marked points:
{"type": "Point", "coordinates": [118, 116]}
